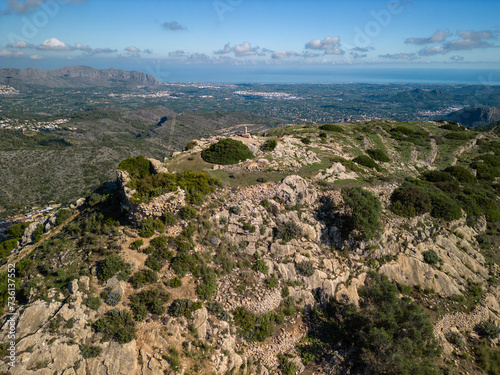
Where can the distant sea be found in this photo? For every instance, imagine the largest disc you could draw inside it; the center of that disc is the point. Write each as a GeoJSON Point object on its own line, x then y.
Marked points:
{"type": "Point", "coordinates": [325, 75]}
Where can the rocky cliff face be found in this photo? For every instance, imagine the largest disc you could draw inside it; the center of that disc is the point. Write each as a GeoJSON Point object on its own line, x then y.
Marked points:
{"type": "Point", "coordinates": [75, 76]}
{"type": "Point", "coordinates": [278, 249]}
{"type": "Point", "coordinates": [476, 116]}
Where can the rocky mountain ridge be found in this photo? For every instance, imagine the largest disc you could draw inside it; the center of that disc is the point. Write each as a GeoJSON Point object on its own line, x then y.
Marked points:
{"type": "Point", "coordinates": [252, 256]}
{"type": "Point", "coordinates": [74, 77]}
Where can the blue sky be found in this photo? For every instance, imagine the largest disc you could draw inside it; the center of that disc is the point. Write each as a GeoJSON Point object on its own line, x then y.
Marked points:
{"type": "Point", "coordinates": [208, 37]}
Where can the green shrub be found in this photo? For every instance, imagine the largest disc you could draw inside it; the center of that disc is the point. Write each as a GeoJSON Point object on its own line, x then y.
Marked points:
{"type": "Point", "coordinates": [452, 126]}
{"type": "Point", "coordinates": [93, 302]}
{"type": "Point", "coordinates": [484, 171]}
{"type": "Point", "coordinates": [461, 174]}
{"type": "Point", "coordinates": [271, 282]}
{"type": "Point", "coordinates": [364, 209]}
{"type": "Point", "coordinates": [113, 298]}
{"type": "Point", "coordinates": [305, 268]}
{"type": "Point", "coordinates": [487, 330]}
{"type": "Point", "coordinates": [332, 128]}
{"type": "Point", "coordinates": [378, 154]}
{"type": "Point", "coordinates": [403, 130]}
{"type": "Point", "coordinates": [143, 277]}
{"type": "Point", "coordinates": [150, 300]}
{"type": "Point", "coordinates": [455, 338]}
{"type": "Point", "coordinates": [443, 207]}
{"type": "Point", "coordinates": [208, 286]}
{"type": "Point", "coordinates": [62, 215]}
{"type": "Point", "coordinates": [287, 231]}
{"type": "Point", "coordinates": [174, 283]}
{"type": "Point", "coordinates": [385, 335]}
{"type": "Point", "coordinates": [136, 244]}
{"type": "Point", "coordinates": [137, 167]}
{"type": "Point", "coordinates": [253, 327]}
{"type": "Point", "coordinates": [410, 201]}
{"type": "Point", "coordinates": [460, 136]}
{"type": "Point", "coordinates": [37, 233]}
{"type": "Point", "coordinates": [261, 266]}
{"type": "Point", "coordinates": [431, 257]}
{"type": "Point", "coordinates": [90, 351]}
{"type": "Point", "coordinates": [190, 145]}
{"type": "Point", "coordinates": [183, 307]}
{"type": "Point", "coordinates": [437, 176]}
{"type": "Point", "coordinates": [217, 309]}
{"type": "Point", "coordinates": [195, 184]}
{"type": "Point", "coordinates": [305, 140]}
{"type": "Point", "coordinates": [488, 358]}
{"type": "Point", "coordinates": [187, 213]}
{"type": "Point", "coordinates": [118, 325]}
{"type": "Point", "coordinates": [367, 162]}
{"type": "Point", "coordinates": [111, 266]}
{"type": "Point", "coordinates": [17, 230]}
{"type": "Point", "coordinates": [7, 246]}
{"type": "Point", "coordinates": [147, 228]}
{"type": "Point", "coordinates": [287, 367]}
{"type": "Point", "coordinates": [159, 242]}
{"type": "Point", "coordinates": [169, 218]}
{"type": "Point", "coordinates": [159, 226]}
{"type": "Point", "coordinates": [227, 151]}
{"type": "Point", "coordinates": [268, 145]}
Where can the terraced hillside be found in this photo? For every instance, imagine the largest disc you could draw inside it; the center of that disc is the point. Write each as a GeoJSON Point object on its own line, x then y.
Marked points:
{"type": "Point", "coordinates": [337, 248]}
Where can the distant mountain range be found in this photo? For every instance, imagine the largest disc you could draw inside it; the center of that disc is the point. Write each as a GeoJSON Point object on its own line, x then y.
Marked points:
{"type": "Point", "coordinates": [74, 77]}
{"type": "Point", "coordinates": [476, 116]}
{"type": "Point", "coordinates": [419, 95]}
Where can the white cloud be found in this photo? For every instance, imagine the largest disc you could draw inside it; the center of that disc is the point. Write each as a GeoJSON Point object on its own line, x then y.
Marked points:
{"type": "Point", "coordinates": [148, 51]}
{"type": "Point", "coordinates": [244, 49]}
{"type": "Point", "coordinates": [310, 54]}
{"type": "Point", "coordinates": [283, 54]}
{"type": "Point", "coordinates": [6, 53]}
{"type": "Point", "coordinates": [127, 55]}
{"type": "Point", "coordinates": [457, 58]}
{"type": "Point", "coordinates": [334, 51]}
{"type": "Point", "coordinates": [54, 44]}
{"type": "Point", "coordinates": [36, 57]}
{"type": "Point", "coordinates": [400, 56]}
{"type": "Point", "coordinates": [470, 39]}
{"type": "Point", "coordinates": [21, 44]}
{"type": "Point", "coordinates": [329, 43]}
{"type": "Point", "coordinates": [356, 55]}
{"type": "Point", "coordinates": [198, 57]}
{"type": "Point", "coordinates": [103, 50]}
{"type": "Point", "coordinates": [177, 53]}
{"type": "Point", "coordinates": [173, 26]}
{"type": "Point", "coordinates": [438, 36]}
{"type": "Point", "coordinates": [227, 49]}
{"type": "Point", "coordinates": [23, 7]}
{"type": "Point", "coordinates": [132, 49]}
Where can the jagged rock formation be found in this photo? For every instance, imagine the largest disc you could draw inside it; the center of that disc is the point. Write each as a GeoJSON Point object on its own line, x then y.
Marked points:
{"type": "Point", "coordinates": [280, 241]}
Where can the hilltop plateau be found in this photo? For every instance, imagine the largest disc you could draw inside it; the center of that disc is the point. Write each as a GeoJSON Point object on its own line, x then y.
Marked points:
{"type": "Point", "coordinates": [353, 248]}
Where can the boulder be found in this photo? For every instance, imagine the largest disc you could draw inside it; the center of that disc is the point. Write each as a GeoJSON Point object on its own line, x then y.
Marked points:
{"type": "Point", "coordinates": [295, 190]}
{"type": "Point", "coordinates": [200, 318]}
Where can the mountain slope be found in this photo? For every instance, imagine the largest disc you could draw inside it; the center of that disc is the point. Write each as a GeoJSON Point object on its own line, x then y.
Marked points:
{"type": "Point", "coordinates": [77, 76]}
{"type": "Point", "coordinates": [332, 249]}
{"type": "Point", "coordinates": [476, 116]}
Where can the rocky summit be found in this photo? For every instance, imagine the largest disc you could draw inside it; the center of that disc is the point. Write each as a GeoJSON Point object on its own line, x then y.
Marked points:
{"type": "Point", "coordinates": [353, 248]}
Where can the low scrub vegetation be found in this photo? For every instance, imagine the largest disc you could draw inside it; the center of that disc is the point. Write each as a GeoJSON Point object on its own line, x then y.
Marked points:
{"type": "Point", "coordinates": [227, 151]}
